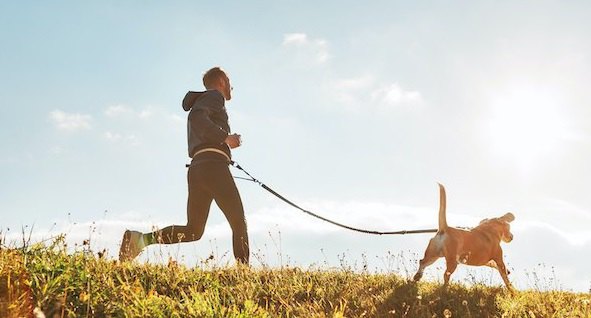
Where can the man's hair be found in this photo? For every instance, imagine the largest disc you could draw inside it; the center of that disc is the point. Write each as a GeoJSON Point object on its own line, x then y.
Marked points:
{"type": "Point", "coordinates": [212, 75]}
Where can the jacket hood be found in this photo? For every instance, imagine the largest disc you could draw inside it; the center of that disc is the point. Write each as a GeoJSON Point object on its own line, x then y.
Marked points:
{"type": "Point", "coordinates": [190, 99]}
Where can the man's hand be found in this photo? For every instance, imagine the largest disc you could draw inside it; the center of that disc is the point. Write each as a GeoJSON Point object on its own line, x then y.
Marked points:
{"type": "Point", "coordinates": [233, 141]}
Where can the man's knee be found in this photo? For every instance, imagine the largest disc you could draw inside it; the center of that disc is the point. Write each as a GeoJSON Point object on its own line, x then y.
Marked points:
{"type": "Point", "coordinates": [195, 231]}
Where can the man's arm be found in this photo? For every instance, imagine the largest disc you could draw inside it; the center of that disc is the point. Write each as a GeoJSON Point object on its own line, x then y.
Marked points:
{"type": "Point", "coordinates": [204, 107]}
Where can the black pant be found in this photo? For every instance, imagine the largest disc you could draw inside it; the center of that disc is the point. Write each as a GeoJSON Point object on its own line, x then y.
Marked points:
{"type": "Point", "coordinates": [208, 181]}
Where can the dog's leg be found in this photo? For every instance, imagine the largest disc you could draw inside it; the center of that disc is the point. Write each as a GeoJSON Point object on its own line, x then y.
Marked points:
{"type": "Point", "coordinates": [503, 271]}
{"type": "Point", "coordinates": [426, 261]}
{"type": "Point", "coordinates": [432, 253]}
{"type": "Point", "coordinates": [451, 265]}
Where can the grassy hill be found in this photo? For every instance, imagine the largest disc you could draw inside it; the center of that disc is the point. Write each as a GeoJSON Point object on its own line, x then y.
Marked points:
{"type": "Point", "coordinates": [54, 283]}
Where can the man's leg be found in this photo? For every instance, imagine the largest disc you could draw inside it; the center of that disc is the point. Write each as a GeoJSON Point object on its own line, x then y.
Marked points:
{"type": "Point", "coordinates": [198, 204]}
{"type": "Point", "coordinates": [227, 197]}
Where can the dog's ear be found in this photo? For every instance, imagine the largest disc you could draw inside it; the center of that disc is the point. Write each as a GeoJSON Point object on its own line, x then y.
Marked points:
{"type": "Point", "coordinates": [508, 217]}
{"type": "Point", "coordinates": [483, 221]}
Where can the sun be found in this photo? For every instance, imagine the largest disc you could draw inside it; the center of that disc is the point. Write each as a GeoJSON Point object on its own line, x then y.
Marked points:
{"type": "Point", "coordinates": [526, 125]}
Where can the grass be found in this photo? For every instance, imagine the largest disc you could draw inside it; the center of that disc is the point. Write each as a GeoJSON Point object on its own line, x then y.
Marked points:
{"type": "Point", "coordinates": [48, 279]}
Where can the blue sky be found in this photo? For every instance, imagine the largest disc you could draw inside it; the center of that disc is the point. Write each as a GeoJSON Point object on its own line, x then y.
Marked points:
{"type": "Point", "coordinates": [354, 110]}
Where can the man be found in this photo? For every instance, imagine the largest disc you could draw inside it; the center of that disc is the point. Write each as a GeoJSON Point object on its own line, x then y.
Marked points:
{"type": "Point", "coordinates": [209, 177]}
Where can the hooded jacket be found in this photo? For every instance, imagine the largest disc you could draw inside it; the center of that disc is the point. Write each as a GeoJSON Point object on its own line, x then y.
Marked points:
{"type": "Point", "coordinates": [207, 123]}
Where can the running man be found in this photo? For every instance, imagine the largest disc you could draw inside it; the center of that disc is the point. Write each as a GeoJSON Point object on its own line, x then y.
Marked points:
{"type": "Point", "coordinates": [209, 177]}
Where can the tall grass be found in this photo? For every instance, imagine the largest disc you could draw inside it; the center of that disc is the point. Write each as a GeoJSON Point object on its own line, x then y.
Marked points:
{"type": "Point", "coordinates": [53, 282]}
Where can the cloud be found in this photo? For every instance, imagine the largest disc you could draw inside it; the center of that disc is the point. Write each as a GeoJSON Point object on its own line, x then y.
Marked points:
{"type": "Point", "coordinates": [146, 113]}
{"type": "Point", "coordinates": [354, 93]}
{"type": "Point", "coordinates": [117, 110]}
{"type": "Point", "coordinates": [126, 112]}
{"type": "Point", "coordinates": [295, 39]}
{"type": "Point", "coordinates": [358, 91]}
{"type": "Point", "coordinates": [543, 245]}
{"type": "Point", "coordinates": [575, 211]}
{"type": "Point", "coordinates": [125, 124]}
{"type": "Point", "coordinates": [112, 136]}
{"type": "Point", "coordinates": [574, 237]}
{"type": "Point", "coordinates": [70, 122]}
{"type": "Point", "coordinates": [348, 90]}
{"type": "Point", "coordinates": [117, 137]}
{"type": "Point", "coordinates": [393, 94]}
{"type": "Point", "coordinates": [316, 48]}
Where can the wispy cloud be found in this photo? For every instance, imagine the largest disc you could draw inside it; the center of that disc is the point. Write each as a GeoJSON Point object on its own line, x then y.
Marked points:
{"type": "Point", "coordinates": [316, 48]}
{"type": "Point", "coordinates": [393, 94]}
{"type": "Point", "coordinates": [356, 92]}
{"type": "Point", "coordinates": [69, 121]}
{"type": "Point", "coordinates": [117, 137]}
{"type": "Point", "coordinates": [348, 90]}
{"type": "Point", "coordinates": [118, 110]}
{"type": "Point", "coordinates": [573, 237]}
{"type": "Point", "coordinates": [126, 124]}
{"type": "Point", "coordinates": [295, 39]}
{"type": "Point", "coordinates": [124, 111]}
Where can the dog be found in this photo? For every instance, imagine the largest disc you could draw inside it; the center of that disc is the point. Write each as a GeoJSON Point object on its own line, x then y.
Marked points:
{"type": "Point", "coordinates": [477, 247]}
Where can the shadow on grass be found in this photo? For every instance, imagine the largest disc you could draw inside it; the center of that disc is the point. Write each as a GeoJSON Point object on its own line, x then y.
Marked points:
{"type": "Point", "coordinates": [400, 301]}
{"type": "Point", "coordinates": [428, 299]}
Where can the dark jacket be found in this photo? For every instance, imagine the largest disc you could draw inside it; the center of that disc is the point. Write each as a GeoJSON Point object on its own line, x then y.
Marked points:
{"type": "Point", "coordinates": [207, 123]}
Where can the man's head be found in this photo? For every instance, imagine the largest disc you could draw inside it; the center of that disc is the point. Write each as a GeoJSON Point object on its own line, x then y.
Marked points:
{"type": "Point", "coordinates": [216, 78]}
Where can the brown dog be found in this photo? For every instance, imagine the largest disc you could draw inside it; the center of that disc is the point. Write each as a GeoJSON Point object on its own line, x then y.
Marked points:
{"type": "Point", "coordinates": [477, 247]}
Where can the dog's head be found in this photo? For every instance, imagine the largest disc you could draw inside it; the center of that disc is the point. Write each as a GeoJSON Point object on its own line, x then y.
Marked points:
{"type": "Point", "coordinates": [501, 226]}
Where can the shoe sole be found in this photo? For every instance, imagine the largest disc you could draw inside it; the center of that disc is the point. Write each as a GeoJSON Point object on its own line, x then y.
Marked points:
{"type": "Point", "coordinates": [124, 254]}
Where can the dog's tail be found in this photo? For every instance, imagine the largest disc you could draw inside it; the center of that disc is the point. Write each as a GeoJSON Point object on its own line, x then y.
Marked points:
{"type": "Point", "coordinates": [442, 203]}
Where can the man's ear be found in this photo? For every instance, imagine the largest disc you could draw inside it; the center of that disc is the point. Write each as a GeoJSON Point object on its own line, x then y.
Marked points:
{"type": "Point", "coordinates": [222, 81]}
{"type": "Point", "coordinates": [508, 217]}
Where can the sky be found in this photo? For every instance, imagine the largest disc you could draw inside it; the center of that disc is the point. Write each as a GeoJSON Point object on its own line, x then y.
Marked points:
{"type": "Point", "coordinates": [353, 110]}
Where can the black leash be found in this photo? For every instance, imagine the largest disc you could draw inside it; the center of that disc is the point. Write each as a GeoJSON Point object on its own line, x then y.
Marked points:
{"type": "Point", "coordinates": [320, 217]}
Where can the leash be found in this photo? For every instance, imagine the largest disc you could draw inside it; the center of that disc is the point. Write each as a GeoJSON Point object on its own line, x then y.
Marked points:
{"type": "Point", "coordinates": [264, 186]}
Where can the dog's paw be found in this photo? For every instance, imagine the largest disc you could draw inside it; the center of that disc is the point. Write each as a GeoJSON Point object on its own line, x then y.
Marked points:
{"type": "Point", "coordinates": [417, 277]}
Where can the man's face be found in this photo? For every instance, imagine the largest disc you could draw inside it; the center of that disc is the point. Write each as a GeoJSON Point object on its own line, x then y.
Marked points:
{"type": "Point", "coordinates": [226, 87]}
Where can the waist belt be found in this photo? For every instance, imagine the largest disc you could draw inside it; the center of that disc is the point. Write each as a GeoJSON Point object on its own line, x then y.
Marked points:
{"type": "Point", "coordinates": [213, 150]}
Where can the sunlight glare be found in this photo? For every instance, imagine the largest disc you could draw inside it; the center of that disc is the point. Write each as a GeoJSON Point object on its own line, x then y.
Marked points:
{"type": "Point", "coordinates": [525, 126]}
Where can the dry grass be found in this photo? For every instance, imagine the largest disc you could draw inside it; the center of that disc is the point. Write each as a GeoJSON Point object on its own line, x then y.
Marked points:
{"type": "Point", "coordinates": [82, 284]}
